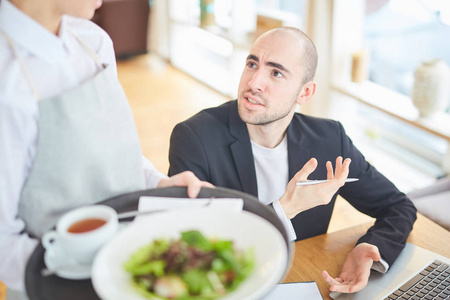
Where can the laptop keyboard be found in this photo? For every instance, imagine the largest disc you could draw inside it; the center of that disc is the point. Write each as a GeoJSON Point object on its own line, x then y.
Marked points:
{"type": "Point", "coordinates": [433, 282]}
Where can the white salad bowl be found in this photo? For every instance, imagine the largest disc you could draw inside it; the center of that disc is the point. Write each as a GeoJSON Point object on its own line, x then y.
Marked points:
{"type": "Point", "coordinates": [245, 229]}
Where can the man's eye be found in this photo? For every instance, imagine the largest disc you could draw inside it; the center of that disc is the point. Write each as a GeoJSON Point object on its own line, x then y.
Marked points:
{"type": "Point", "coordinates": [277, 74]}
{"type": "Point", "coordinates": [251, 65]}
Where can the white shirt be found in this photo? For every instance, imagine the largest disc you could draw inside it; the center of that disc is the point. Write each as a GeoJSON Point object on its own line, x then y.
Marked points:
{"type": "Point", "coordinates": [272, 177]}
{"type": "Point", "coordinates": [55, 64]}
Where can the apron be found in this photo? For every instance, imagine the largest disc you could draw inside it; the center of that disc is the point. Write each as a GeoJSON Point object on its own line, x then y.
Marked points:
{"type": "Point", "coordinates": [87, 151]}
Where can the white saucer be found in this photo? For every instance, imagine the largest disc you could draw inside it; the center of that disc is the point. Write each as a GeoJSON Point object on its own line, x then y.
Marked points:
{"type": "Point", "coordinates": [66, 267]}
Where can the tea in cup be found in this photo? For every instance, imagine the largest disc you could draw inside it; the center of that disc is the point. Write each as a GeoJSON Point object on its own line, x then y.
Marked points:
{"type": "Point", "coordinates": [80, 233]}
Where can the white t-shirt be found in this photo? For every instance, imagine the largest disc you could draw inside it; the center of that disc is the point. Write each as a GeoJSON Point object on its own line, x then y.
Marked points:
{"type": "Point", "coordinates": [272, 177]}
{"type": "Point", "coordinates": [55, 64]}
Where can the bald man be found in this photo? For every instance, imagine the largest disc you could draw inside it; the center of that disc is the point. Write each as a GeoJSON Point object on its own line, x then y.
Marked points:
{"type": "Point", "coordinates": [259, 144]}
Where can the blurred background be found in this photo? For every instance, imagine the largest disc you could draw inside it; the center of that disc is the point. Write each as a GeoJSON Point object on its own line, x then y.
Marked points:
{"type": "Point", "coordinates": [369, 52]}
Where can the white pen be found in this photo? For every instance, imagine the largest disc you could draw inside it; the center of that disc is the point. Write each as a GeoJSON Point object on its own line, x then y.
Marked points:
{"type": "Point", "coordinates": [309, 182]}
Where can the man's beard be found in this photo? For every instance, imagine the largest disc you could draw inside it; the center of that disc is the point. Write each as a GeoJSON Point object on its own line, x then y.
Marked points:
{"type": "Point", "coordinates": [261, 119]}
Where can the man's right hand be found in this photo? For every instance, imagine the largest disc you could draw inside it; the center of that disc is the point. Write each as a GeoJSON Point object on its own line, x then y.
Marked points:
{"type": "Point", "coordinates": [300, 198]}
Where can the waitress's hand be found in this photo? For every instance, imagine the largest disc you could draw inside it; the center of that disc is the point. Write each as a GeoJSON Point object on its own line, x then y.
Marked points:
{"type": "Point", "coordinates": [186, 178]}
{"type": "Point", "coordinates": [301, 198]}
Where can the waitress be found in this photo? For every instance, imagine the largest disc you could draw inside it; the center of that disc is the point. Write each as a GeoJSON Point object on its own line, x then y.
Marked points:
{"type": "Point", "coordinates": [67, 136]}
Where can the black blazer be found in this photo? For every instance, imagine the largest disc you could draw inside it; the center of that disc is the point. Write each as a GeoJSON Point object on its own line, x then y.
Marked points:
{"type": "Point", "coordinates": [215, 145]}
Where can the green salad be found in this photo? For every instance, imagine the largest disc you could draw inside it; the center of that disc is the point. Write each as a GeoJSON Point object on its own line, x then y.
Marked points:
{"type": "Point", "coordinates": [190, 268]}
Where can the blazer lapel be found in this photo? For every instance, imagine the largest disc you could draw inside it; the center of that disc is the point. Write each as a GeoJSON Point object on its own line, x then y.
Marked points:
{"type": "Point", "coordinates": [241, 150]}
{"type": "Point", "coordinates": [298, 155]}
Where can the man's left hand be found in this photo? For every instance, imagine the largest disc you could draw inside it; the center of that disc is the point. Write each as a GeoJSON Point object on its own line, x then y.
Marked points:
{"type": "Point", "coordinates": [355, 271]}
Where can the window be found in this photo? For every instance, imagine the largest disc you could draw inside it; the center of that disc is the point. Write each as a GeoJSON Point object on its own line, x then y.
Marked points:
{"type": "Point", "coordinates": [289, 12]}
{"type": "Point", "coordinates": [401, 34]}
{"type": "Point", "coordinates": [379, 114]}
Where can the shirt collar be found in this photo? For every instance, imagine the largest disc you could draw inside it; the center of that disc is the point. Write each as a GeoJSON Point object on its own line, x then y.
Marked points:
{"type": "Point", "coordinates": [66, 37]}
{"type": "Point", "coordinates": [29, 34]}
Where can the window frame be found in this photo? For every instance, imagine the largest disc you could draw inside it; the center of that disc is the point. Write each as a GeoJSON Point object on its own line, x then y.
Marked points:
{"type": "Point", "coordinates": [345, 38]}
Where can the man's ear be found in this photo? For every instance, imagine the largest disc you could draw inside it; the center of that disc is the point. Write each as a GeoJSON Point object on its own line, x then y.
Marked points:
{"type": "Point", "coordinates": [306, 93]}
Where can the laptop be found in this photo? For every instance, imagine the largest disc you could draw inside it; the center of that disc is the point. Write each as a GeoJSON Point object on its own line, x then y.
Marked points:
{"type": "Point", "coordinates": [412, 260]}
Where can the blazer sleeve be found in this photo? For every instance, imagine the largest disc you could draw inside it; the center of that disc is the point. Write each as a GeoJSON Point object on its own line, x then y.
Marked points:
{"type": "Point", "coordinates": [377, 197]}
{"type": "Point", "coordinates": [187, 153]}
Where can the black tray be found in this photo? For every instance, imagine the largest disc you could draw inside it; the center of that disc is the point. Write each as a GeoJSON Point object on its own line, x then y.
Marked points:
{"type": "Point", "coordinates": [54, 287]}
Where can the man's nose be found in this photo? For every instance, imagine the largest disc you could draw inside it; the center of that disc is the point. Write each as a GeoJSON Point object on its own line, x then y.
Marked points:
{"type": "Point", "coordinates": [257, 82]}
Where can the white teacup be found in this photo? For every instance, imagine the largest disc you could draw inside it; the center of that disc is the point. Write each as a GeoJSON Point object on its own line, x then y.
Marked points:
{"type": "Point", "coordinates": [81, 232]}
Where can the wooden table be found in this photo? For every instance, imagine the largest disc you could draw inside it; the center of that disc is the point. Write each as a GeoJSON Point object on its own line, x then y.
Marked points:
{"type": "Point", "coordinates": [328, 251]}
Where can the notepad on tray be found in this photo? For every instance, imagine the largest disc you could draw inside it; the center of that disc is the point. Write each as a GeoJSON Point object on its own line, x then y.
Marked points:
{"type": "Point", "coordinates": [150, 203]}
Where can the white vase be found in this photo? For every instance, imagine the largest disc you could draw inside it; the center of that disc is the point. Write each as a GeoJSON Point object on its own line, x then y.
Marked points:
{"type": "Point", "coordinates": [431, 90]}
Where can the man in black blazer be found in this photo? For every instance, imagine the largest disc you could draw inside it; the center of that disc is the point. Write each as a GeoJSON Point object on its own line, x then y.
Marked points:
{"type": "Point", "coordinates": [259, 144]}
